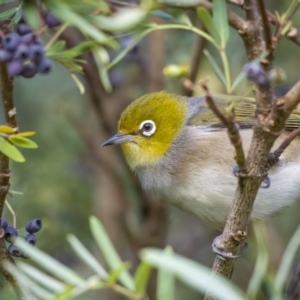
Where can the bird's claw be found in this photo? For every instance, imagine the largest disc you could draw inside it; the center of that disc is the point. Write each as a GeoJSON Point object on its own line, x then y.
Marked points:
{"type": "Point", "coordinates": [266, 182]}
{"type": "Point", "coordinates": [217, 248]}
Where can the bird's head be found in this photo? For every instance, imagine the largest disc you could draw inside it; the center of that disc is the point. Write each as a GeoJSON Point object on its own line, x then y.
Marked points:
{"type": "Point", "coordinates": [149, 126]}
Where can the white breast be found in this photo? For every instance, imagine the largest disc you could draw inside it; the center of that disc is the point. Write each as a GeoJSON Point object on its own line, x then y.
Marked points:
{"type": "Point", "coordinates": [208, 190]}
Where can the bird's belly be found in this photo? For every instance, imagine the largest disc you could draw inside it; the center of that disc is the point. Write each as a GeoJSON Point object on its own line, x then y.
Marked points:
{"type": "Point", "coordinates": [208, 194]}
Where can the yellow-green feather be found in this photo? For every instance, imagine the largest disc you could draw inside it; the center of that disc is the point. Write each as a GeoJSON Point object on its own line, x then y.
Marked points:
{"type": "Point", "coordinates": [167, 111]}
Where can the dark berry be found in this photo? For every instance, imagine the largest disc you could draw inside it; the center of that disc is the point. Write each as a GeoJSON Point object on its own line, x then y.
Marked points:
{"type": "Point", "coordinates": [23, 52]}
{"type": "Point", "coordinates": [253, 69]}
{"type": "Point", "coordinates": [28, 38]}
{"type": "Point", "coordinates": [14, 250]}
{"type": "Point", "coordinates": [34, 226]}
{"type": "Point", "coordinates": [36, 52]}
{"type": "Point", "coordinates": [256, 73]}
{"type": "Point", "coordinates": [44, 66]}
{"type": "Point", "coordinates": [23, 29]}
{"type": "Point", "coordinates": [14, 67]}
{"type": "Point", "coordinates": [30, 239]}
{"type": "Point", "coordinates": [4, 223]}
{"type": "Point", "coordinates": [10, 234]}
{"type": "Point", "coordinates": [5, 55]}
{"type": "Point", "coordinates": [11, 41]}
{"type": "Point", "coordinates": [50, 20]}
{"type": "Point", "coordinates": [28, 71]}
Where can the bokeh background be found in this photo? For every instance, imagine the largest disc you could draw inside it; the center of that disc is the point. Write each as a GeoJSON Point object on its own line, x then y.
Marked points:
{"type": "Point", "coordinates": [70, 177]}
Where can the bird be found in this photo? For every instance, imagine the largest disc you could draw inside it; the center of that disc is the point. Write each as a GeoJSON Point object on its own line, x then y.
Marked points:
{"type": "Point", "coordinates": [181, 153]}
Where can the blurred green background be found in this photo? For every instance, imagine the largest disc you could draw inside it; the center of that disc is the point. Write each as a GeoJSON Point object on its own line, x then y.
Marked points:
{"type": "Point", "coordinates": [70, 177]}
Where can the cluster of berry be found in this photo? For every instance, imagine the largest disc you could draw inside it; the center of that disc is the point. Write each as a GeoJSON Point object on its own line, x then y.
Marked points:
{"type": "Point", "coordinates": [24, 51]}
{"type": "Point", "coordinates": [11, 233]}
{"type": "Point", "coordinates": [256, 73]}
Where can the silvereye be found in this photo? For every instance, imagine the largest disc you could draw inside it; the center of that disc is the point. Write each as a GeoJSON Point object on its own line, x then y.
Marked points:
{"type": "Point", "coordinates": [182, 156]}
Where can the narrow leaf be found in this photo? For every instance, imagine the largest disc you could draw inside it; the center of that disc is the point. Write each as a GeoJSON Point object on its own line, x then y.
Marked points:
{"type": "Point", "coordinates": [42, 278]}
{"type": "Point", "coordinates": [65, 13]}
{"type": "Point", "coordinates": [238, 80]}
{"type": "Point", "coordinates": [78, 83]}
{"type": "Point", "coordinates": [193, 274]}
{"type": "Point", "coordinates": [165, 282]}
{"type": "Point", "coordinates": [261, 264]}
{"type": "Point", "coordinates": [8, 13]}
{"type": "Point", "coordinates": [207, 20]}
{"type": "Point", "coordinates": [86, 256]}
{"type": "Point", "coordinates": [11, 151]}
{"type": "Point", "coordinates": [141, 277]}
{"type": "Point", "coordinates": [23, 142]}
{"type": "Point", "coordinates": [220, 20]}
{"type": "Point", "coordinates": [115, 274]}
{"type": "Point", "coordinates": [102, 72]}
{"type": "Point", "coordinates": [215, 67]}
{"type": "Point", "coordinates": [109, 252]}
{"type": "Point", "coordinates": [287, 261]}
{"type": "Point", "coordinates": [50, 264]}
{"type": "Point", "coordinates": [25, 134]}
{"type": "Point", "coordinates": [6, 129]}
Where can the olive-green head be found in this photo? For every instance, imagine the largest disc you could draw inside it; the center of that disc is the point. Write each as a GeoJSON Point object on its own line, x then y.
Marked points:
{"type": "Point", "coordinates": [148, 127]}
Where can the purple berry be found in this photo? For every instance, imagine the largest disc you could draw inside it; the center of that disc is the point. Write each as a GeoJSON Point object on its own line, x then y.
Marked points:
{"type": "Point", "coordinates": [36, 52]}
{"type": "Point", "coordinates": [14, 250]}
{"type": "Point", "coordinates": [30, 239]}
{"type": "Point", "coordinates": [28, 38]}
{"type": "Point", "coordinates": [34, 226]}
{"type": "Point", "coordinates": [51, 21]}
{"type": "Point", "coordinates": [29, 71]}
{"type": "Point", "coordinates": [14, 67]}
{"type": "Point", "coordinates": [44, 66]}
{"type": "Point", "coordinates": [23, 29]}
{"type": "Point", "coordinates": [10, 234]}
{"type": "Point", "coordinates": [5, 55]}
{"type": "Point", "coordinates": [11, 41]}
{"type": "Point", "coordinates": [4, 223]}
{"type": "Point", "coordinates": [256, 73]}
{"type": "Point", "coordinates": [22, 52]}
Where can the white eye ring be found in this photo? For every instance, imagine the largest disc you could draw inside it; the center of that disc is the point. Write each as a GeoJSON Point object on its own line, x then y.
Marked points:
{"type": "Point", "coordinates": [147, 127]}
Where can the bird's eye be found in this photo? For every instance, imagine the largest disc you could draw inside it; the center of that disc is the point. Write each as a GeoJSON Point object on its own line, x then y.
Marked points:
{"type": "Point", "coordinates": [147, 128]}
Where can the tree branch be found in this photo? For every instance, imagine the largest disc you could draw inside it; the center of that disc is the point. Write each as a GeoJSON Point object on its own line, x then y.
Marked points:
{"type": "Point", "coordinates": [10, 118]}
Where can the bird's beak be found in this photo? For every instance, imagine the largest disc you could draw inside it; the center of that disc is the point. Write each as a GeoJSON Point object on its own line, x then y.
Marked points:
{"type": "Point", "coordinates": [119, 138]}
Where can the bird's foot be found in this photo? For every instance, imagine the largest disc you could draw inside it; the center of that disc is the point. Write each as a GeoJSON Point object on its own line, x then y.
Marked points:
{"type": "Point", "coordinates": [266, 182]}
{"type": "Point", "coordinates": [218, 249]}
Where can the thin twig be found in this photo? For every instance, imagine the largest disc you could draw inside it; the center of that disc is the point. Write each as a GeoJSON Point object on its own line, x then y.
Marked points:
{"type": "Point", "coordinates": [13, 213]}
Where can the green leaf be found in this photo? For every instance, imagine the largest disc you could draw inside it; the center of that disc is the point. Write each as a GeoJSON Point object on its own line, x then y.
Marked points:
{"type": "Point", "coordinates": [22, 142]}
{"type": "Point", "coordinates": [122, 20]}
{"type": "Point", "coordinates": [6, 129]}
{"type": "Point", "coordinates": [286, 263]}
{"type": "Point", "coordinates": [207, 20]}
{"type": "Point", "coordinates": [141, 277]}
{"type": "Point", "coordinates": [42, 278]}
{"type": "Point", "coordinates": [11, 151]}
{"type": "Point", "coordinates": [7, 13]}
{"type": "Point", "coordinates": [102, 72]}
{"type": "Point", "coordinates": [115, 274]}
{"type": "Point", "coordinates": [261, 264]}
{"type": "Point", "coordinates": [215, 67]}
{"type": "Point", "coordinates": [57, 47]}
{"type": "Point", "coordinates": [193, 274]}
{"type": "Point", "coordinates": [238, 80]}
{"type": "Point", "coordinates": [220, 20]}
{"type": "Point", "coordinates": [31, 14]}
{"type": "Point", "coordinates": [165, 282]}
{"type": "Point", "coordinates": [78, 83]}
{"type": "Point", "coordinates": [65, 13]}
{"type": "Point", "coordinates": [50, 264]}
{"type": "Point", "coordinates": [163, 15]}
{"type": "Point", "coordinates": [25, 133]}
{"type": "Point", "coordinates": [109, 252]}
{"type": "Point", "coordinates": [86, 256]}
